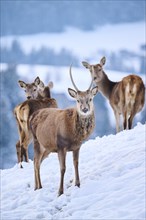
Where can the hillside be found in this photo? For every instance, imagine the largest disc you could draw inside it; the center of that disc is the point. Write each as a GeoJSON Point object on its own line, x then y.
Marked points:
{"type": "Point", "coordinates": [112, 174]}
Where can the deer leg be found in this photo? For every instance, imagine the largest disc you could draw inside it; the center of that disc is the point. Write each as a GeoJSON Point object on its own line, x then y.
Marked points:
{"type": "Point", "coordinates": [130, 120]}
{"type": "Point", "coordinates": [38, 154]}
{"type": "Point", "coordinates": [24, 147]}
{"type": "Point", "coordinates": [38, 184]}
{"type": "Point", "coordinates": [19, 157]}
{"type": "Point", "coordinates": [62, 157]}
{"type": "Point", "coordinates": [24, 154]}
{"type": "Point", "coordinates": [125, 123]}
{"type": "Point", "coordinates": [18, 150]}
{"type": "Point", "coordinates": [117, 117]}
{"type": "Point", "coordinates": [76, 162]}
{"type": "Point", "coordinates": [19, 145]}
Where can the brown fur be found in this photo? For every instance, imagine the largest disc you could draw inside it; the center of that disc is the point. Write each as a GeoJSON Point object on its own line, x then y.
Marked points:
{"type": "Point", "coordinates": [34, 91]}
{"type": "Point", "coordinates": [126, 97]}
{"type": "Point", "coordinates": [37, 89]}
{"type": "Point", "coordinates": [56, 130]}
{"type": "Point", "coordinates": [22, 113]}
{"type": "Point", "coordinates": [70, 129]}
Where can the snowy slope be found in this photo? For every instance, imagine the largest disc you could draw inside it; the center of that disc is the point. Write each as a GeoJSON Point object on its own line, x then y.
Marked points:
{"type": "Point", "coordinates": [112, 174]}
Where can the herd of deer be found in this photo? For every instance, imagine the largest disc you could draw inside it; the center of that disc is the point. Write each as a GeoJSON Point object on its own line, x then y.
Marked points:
{"type": "Point", "coordinates": [56, 130]}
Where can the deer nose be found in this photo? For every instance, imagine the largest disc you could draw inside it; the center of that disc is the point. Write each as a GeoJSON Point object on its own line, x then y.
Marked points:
{"type": "Point", "coordinates": [28, 97]}
{"type": "Point", "coordinates": [85, 110]}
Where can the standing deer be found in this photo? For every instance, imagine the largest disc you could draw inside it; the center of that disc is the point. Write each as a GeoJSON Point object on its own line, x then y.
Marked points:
{"type": "Point", "coordinates": [56, 130]}
{"type": "Point", "coordinates": [126, 97]}
{"type": "Point", "coordinates": [38, 96]}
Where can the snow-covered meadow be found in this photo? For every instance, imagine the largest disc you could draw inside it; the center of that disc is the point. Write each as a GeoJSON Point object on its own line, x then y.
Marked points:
{"type": "Point", "coordinates": [112, 174]}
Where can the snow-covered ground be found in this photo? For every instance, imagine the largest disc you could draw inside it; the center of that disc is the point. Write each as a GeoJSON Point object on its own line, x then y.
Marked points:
{"type": "Point", "coordinates": [129, 36]}
{"type": "Point", "coordinates": [112, 174]}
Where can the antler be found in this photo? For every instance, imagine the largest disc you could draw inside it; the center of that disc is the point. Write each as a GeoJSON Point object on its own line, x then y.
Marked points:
{"type": "Point", "coordinates": [72, 79]}
{"type": "Point", "coordinates": [74, 82]}
{"type": "Point", "coordinates": [90, 84]}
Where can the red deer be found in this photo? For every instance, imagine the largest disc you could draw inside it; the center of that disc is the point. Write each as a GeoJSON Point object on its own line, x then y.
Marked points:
{"type": "Point", "coordinates": [126, 97]}
{"type": "Point", "coordinates": [56, 130]}
{"type": "Point", "coordinates": [23, 111]}
{"type": "Point", "coordinates": [37, 89]}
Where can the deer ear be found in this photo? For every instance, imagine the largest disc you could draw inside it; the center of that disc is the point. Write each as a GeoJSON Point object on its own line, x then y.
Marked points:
{"type": "Point", "coordinates": [85, 64]}
{"type": "Point", "coordinates": [102, 61]}
{"type": "Point", "coordinates": [94, 90]}
{"type": "Point", "coordinates": [50, 85]}
{"type": "Point", "coordinates": [37, 81]}
{"type": "Point", "coordinates": [72, 93]}
{"type": "Point", "coordinates": [22, 84]}
{"type": "Point", "coordinates": [41, 84]}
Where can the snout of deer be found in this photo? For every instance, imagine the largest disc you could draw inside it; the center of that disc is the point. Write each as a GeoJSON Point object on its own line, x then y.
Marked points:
{"type": "Point", "coordinates": [85, 110]}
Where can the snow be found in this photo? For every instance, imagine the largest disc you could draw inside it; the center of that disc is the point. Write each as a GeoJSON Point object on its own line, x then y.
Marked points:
{"type": "Point", "coordinates": [112, 174]}
{"type": "Point", "coordinates": [86, 43]}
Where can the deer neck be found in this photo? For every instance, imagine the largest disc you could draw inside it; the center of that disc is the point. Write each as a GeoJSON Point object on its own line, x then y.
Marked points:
{"type": "Point", "coordinates": [85, 125]}
{"type": "Point", "coordinates": [106, 86]}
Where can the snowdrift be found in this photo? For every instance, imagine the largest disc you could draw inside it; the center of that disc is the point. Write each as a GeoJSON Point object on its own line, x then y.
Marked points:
{"type": "Point", "coordinates": [112, 174]}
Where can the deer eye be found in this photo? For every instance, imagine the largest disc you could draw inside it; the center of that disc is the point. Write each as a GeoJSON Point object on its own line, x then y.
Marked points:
{"type": "Point", "coordinates": [34, 90]}
{"type": "Point", "coordinates": [78, 101]}
{"type": "Point", "coordinates": [95, 78]}
{"type": "Point", "coordinates": [90, 100]}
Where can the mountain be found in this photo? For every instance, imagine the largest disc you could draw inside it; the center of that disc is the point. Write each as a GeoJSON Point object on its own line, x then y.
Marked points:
{"type": "Point", "coordinates": [29, 17]}
{"type": "Point", "coordinates": [112, 175]}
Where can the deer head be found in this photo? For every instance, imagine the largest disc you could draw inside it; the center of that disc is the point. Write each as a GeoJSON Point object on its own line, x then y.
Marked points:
{"type": "Point", "coordinates": [96, 70]}
{"type": "Point", "coordinates": [84, 99]}
{"type": "Point", "coordinates": [31, 89]}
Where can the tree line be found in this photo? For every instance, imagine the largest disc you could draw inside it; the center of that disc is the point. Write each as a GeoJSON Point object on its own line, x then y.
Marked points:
{"type": "Point", "coordinates": [47, 56]}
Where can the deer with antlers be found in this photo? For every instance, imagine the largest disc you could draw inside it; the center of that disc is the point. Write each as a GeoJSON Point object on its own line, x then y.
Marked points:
{"type": "Point", "coordinates": [126, 97]}
{"type": "Point", "coordinates": [38, 96]}
{"type": "Point", "coordinates": [56, 130]}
